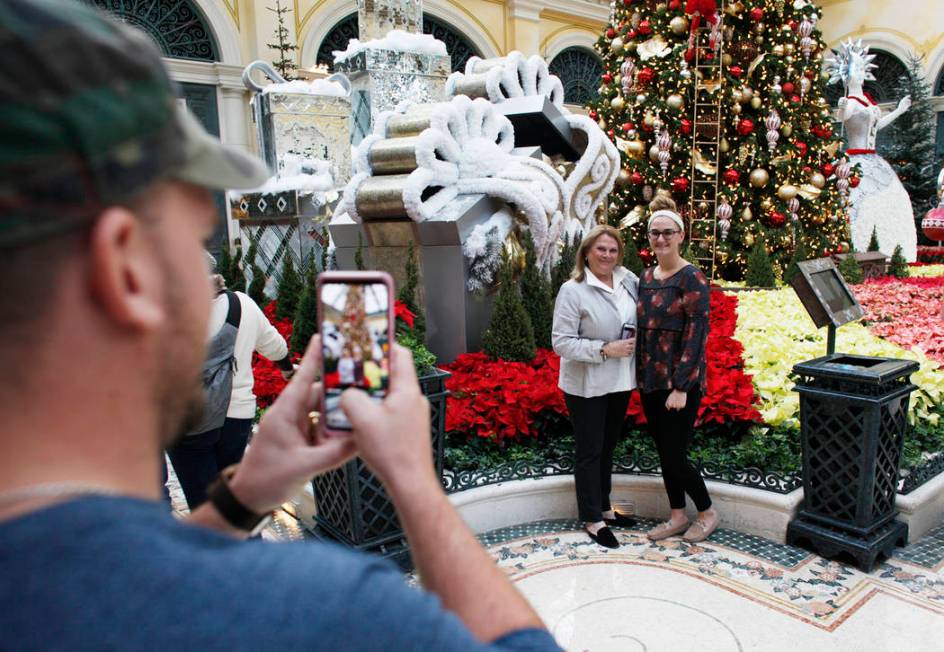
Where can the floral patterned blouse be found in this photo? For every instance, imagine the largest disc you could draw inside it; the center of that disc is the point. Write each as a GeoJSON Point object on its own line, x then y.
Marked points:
{"type": "Point", "coordinates": [672, 322]}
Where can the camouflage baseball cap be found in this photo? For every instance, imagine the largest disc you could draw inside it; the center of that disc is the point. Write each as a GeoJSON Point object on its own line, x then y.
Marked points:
{"type": "Point", "coordinates": [89, 119]}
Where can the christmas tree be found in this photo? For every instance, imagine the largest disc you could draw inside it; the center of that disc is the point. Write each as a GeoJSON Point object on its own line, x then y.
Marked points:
{"type": "Point", "coordinates": [536, 296]}
{"type": "Point", "coordinates": [236, 280]}
{"type": "Point", "coordinates": [910, 148]}
{"type": "Point", "coordinates": [408, 293]}
{"type": "Point", "coordinates": [509, 335]}
{"type": "Point", "coordinates": [285, 64]}
{"type": "Point", "coordinates": [898, 266]}
{"type": "Point", "coordinates": [565, 264]}
{"type": "Point", "coordinates": [256, 290]}
{"type": "Point", "coordinates": [730, 118]}
{"type": "Point", "coordinates": [290, 287]}
{"type": "Point", "coordinates": [306, 315]}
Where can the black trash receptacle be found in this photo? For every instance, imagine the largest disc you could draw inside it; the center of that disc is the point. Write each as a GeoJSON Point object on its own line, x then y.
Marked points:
{"type": "Point", "coordinates": [352, 505]}
{"type": "Point", "coordinates": [853, 416]}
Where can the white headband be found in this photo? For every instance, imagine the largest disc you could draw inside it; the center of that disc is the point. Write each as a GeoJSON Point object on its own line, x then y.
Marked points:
{"type": "Point", "coordinates": [672, 215]}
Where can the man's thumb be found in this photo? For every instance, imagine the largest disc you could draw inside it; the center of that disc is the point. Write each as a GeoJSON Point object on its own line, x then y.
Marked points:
{"type": "Point", "coordinates": [358, 407]}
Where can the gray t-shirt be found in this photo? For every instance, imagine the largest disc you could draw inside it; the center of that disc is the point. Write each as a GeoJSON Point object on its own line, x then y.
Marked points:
{"type": "Point", "coordinates": [123, 574]}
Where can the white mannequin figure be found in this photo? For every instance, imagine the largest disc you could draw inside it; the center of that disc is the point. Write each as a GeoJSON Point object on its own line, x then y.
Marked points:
{"type": "Point", "coordinates": [880, 201]}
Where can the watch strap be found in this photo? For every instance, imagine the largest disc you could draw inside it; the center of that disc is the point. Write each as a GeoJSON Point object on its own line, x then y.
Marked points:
{"type": "Point", "coordinates": [229, 507]}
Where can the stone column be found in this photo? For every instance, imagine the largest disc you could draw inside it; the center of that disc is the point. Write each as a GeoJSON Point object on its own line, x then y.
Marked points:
{"type": "Point", "coordinates": [525, 26]}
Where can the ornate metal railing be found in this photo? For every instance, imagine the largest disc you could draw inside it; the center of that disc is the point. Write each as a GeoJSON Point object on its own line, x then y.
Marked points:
{"type": "Point", "coordinates": [922, 473]}
{"type": "Point", "coordinates": [635, 464]}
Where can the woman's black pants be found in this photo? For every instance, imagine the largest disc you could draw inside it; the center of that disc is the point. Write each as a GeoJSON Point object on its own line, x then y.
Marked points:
{"type": "Point", "coordinates": [597, 423]}
{"type": "Point", "coordinates": [672, 431]}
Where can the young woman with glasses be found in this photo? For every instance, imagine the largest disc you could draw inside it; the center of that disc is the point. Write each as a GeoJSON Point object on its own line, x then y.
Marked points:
{"type": "Point", "coordinates": [594, 334]}
{"type": "Point", "coordinates": [672, 313]}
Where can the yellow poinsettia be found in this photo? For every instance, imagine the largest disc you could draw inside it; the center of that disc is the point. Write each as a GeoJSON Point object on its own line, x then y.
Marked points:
{"type": "Point", "coordinates": [777, 333]}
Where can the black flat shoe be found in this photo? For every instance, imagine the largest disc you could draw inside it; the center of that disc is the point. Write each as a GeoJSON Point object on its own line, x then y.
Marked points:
{"type": "Point", "coordinates": [603, 537]}
{"type": "Point", "coordinates": [620, 520]}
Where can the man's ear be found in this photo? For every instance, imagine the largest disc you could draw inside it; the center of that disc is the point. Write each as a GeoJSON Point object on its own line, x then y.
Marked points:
{"type": "Point", "coordinates": [125, 274]}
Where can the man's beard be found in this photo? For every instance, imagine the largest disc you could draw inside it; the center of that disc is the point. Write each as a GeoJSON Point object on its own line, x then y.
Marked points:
{"type": "Point", "coordinates": [180, 394]}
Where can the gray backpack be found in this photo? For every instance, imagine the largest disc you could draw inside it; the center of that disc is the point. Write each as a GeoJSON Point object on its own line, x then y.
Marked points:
{"type": "Point", "coordinates": [218, 369]}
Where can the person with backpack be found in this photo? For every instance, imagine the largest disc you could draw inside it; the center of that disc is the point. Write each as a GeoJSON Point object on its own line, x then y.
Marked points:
{"type": "Point", "coordinates": [238, 328]}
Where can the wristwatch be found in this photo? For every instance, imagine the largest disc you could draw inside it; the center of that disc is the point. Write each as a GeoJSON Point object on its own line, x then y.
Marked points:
{"type": "Point", "coordinates": [603, 351]}
{"type": "Point", "coordinates": [229, 507]}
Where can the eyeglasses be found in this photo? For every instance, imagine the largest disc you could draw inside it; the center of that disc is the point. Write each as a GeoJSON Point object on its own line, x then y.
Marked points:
{"type": "Point", "coordinates": [668, 233]}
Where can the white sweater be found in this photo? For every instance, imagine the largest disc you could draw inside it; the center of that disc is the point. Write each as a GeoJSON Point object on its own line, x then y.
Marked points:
{"type": "Point", "coordinates": [255, 334]}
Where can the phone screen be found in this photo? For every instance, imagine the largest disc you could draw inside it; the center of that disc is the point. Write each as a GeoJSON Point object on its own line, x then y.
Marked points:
{"type": "Point", "coordinates": [355, 346]}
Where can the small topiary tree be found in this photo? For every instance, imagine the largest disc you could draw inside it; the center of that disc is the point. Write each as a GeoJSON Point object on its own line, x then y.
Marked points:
{"type": "Point", "coordinates": [536, 296]}
{"type": "Point", "coordinates": [408, 293]}
{"type": "Point", "coordinates": [631, 259]}
{"type": "Point", "coordinates": [290, 287]}
{"type": "Point", "coordinates": [256, 290]}
{"type": "Point", "coordinates": [509, 335]}
{"type": "Point", "coordinates": [236, 280]}
{"type": "Point", "coordinates": [898, 267]}
{"type": "Point", "coordinates": [799, 255]}
{"type": "Point", "coordinates": [306, 314]}
{"type": "Point", "coordinates": [565, 265]}
{"type": "Point", "coordinates": [760, 273]}
{"type": "Point", "coordinates": [850, 270]}
{"type": "Point", "coordinates": [873, 241]}
{"type": "Point", "coordinates": [225, 262]}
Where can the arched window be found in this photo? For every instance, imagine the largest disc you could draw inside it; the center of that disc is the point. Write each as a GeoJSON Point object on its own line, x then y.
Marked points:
{"type": "Point", "coordinates": [458, 46]}
{"type": "Point", "coordinates": [889, 70]}
{"type": "Point", "coordinates": [579, 70]}
{"type": "Point", "coordinates": [178, 26]}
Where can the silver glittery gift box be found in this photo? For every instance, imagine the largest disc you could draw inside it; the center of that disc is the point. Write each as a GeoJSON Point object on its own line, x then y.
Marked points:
{"type": "Point", "coordinates": [382, 78]}
{"type": "Point", "coordinates": [312, 126]}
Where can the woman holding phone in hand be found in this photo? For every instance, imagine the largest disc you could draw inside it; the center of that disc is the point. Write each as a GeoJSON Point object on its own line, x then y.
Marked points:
{"type": "Point", "coordinates": [673, 328]}
{"type": "Point", "coordinates": [594, 334]}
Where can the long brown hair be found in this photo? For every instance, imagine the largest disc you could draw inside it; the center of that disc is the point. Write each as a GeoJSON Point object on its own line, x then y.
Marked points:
{"type": "Point", "coordinates": [580, 268]}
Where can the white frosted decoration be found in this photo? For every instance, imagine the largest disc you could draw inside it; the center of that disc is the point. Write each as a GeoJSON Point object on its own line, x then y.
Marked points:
{"type": "Point", "coordinates": [298, 173]}
{"type": "Point", "coordinates": [881, 201]}
{"type": "Point", "coordinates": [397, 40]}
{"type": "Point", "coordinates": [601, 163]}
{"type": "Point", "coordinates": [483, 249]}
{"type": "Point", "coordinates": [512, 76]}
{"type": "Point", "coordinates": [316, 87]}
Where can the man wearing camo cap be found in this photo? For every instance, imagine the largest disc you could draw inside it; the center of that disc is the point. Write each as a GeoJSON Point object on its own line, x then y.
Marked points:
{"type": "Point", "coordinates": [104, 206]}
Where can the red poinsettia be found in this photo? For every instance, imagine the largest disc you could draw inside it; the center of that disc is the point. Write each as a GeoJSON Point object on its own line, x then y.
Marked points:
{"type": "Point", "coordinates": [401, 312]}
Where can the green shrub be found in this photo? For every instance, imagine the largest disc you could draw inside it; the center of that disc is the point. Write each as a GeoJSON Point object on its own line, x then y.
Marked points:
{"type": "Point", "coordinates": [898, 267]}
{"type": "Point", "coordinates": [290, 287]}
{"type": "Point", "coordinates": [850, 270]}
{"type": "Point", "coordinates": [510, 335]}
{"type": "Point", "coordinates": [760, 272]}
{"type": "Point", "coordinates": [536, 296]}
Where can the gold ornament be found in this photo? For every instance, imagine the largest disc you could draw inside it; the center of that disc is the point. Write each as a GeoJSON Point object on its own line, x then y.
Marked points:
{"type": "Point", "coordinates": [749, 239]}
{"type": "Point", "coordinates": [756, 102]}
{"type": "Point", "coordinates": [618, 103]}
{"type": "Point", "coordinates": [616, 45]}
{"type": "Point", "coordinates": [630, 46]}
{"type": "Point", "coordinates": [634, 149]}
{"type": "Point", "coordinates": [747, 94]}
{"type": "Point", "coordinates": [514, 252]}
{"type": "Point", "coordinates": [809, 192]}
{"type": "Point", "coordinates": [787, 192]}
{"type": "Point", "coordinates": [601, 123]}
{"type": "Point", "coordinates": [746, 214]}
{"type": "Point", "coordinates": [766, 204]}
{"type": "Point", "coordinates": [778, 50]}
{"type": "Point", "coordinates": [786, 129]}
{"type": "Point", "coordinates": [759, 40]}
{"type": "Point", "coordinates": [818, 180]}
{"type": "Point", "coordinates": [734, 8]}
{"type": "Point", "coordinates": [675, 101]}
{"type": "Point", "coordinates": [759, 28]}
{"type": "Point", "coordinates": [649, 119]}
{"type": "Point", "coordinates": [624, 177]}
{"type": "Point", "coordinates": [654, 153]}
{"type": "Point", "coordinates": [736, 108]}
{"type": "Point", "coordinates": [759, 177]}
{"type": "Point", "coordinates": [679, 25]}
{"type": "Point", "coordinates": [726, 60]}
{"type": "Point", "coordinates": [789, 47]}
{"type": "Point", "coordinates": [725, 146]}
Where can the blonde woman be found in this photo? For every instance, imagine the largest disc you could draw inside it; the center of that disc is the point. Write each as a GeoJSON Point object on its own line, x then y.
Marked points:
{"type": "Point", "coordinates": [594, 334]}
{"type": "Point", "coordinates": [670, 367]}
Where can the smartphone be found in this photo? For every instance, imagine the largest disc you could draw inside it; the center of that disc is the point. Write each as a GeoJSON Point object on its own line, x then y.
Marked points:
{"type": "Point", "coordinates": [627, 331]}
{"type": "Point", "coordinates": [355, 312]}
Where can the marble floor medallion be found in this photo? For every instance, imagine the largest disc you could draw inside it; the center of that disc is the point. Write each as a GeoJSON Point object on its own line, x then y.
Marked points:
{"type": "Point", "coordinates": [674, 596]}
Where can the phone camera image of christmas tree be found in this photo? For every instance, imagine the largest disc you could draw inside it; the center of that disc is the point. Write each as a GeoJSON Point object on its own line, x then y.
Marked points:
{"type": "Point", "coordinates": [721, 105]}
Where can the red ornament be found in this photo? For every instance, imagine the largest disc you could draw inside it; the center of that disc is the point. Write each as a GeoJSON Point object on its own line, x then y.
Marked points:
{"type": "Point", "coordinates": [645, 76]}
{"type": "Point", "coordinates": [933, 224]}
{"type": "Point", "coordinates": [745, 126]}
{"type": "Point", "coordinates": [788, 88]}
{"type": "Point", "coordinates": [627, 3]}
{"type": "Point", "coordinates": [854, 181]}
{"type": "Point", "coordinates": [637, 178]}
{"type": "Point", "coordinates": [732, 177]}
{"type": "Point", "coordinates": [757, 14]}
{"type": "Point", "coordinates": [607, 78]}
{"type": "Point", "coordinates": [675, 4]}
{"type": "Point", "coordinates": [611, 134]}
{"type": "Point", "coordinates": [593, 115]}
{"type": "Point", "coordinates": [795, 99]}
{"type": "Point", "coordinates": [680, 185]}
{"type": "Point", "coordinates": [801, 146]}
{"type": "Point", "coordinates": [807, 170]}
{"type": "Point", "coordinates": [777, 218]}
{"type": "Point", "coordinates": [645, 27]}
{"type": "Point", "coordinates": [611, 33]}
{"type": "Point", "coordinates": [646, 255]}
{"type": "Point", "coordinates": [686, 127]}
{"type": "Point", "coordinates": [827, 169]}
{"type": "Point", "coordinates": [632, 34]}
{"type": "Point", "coordinates": [794, 25]}
{"type": "Point", "coordinates": [809, 74]}
{"type": "Point", "coordinates": [736, 71]}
